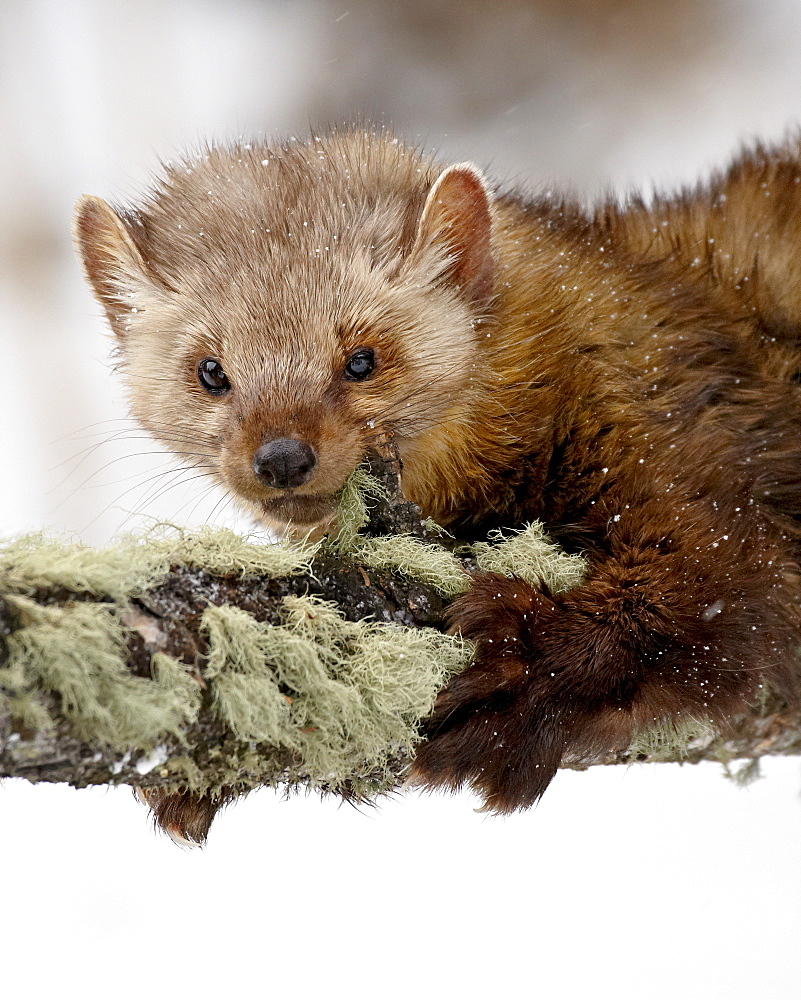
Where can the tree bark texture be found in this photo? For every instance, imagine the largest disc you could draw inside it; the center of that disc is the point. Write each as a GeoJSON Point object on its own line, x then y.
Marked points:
{"type": "Point", "coordinates": [167, 619]}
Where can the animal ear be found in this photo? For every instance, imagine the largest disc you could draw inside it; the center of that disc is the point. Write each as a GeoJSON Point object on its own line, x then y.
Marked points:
{"type": "Point", "coordinates": [114, 266]}
{"type": "Point", "coordinates": [457, 216]}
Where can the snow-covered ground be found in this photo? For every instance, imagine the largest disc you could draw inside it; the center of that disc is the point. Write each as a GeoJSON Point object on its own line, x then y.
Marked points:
{"type": "Point", "coordinates": [659, 881]}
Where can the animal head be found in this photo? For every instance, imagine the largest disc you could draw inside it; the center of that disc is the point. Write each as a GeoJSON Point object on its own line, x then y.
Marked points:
{"type": "Point", "coordinates": [277, 307]}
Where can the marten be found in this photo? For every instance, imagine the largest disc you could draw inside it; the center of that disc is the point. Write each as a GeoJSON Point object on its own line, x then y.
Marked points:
{"type": "Point", "coordinates": [628, 375]}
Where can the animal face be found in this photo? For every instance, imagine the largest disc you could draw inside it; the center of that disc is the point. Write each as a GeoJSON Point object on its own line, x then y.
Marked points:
{"type": "Point", "coordinates": [271, 320]}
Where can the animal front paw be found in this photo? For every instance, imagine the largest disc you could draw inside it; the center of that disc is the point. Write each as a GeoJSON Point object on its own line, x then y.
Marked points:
{"type": "Point", "coordinates": [494, 727]}
{"type": "Point", "coordinates": [506, 619]}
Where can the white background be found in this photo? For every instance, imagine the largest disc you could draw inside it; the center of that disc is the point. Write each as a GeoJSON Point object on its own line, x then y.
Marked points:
{"type": "Point", "coordinates": [660, 882]}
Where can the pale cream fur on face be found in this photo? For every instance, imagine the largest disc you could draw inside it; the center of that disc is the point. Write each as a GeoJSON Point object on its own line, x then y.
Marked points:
{"type": "Point", "coordinates": [280, 276]}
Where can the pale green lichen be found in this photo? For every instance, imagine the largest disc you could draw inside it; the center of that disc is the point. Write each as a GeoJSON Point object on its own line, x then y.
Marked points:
{"type": "Point", "coordinates": [182, 684]}
{"type": "Point", "coordinates": [245, 692]}
{"type": "Point", "coordinates": [415, 559]}
{"type": "Point", "coordinates": [746, 774]}
{"type": "Point", "coordinates": [527, 554]}
{"type": "Point", "coordinates": [352, 510]}
{"type": "Point", "coordinates": [78, 653]}
{"type": "Point", "coordinates": [669, 739]}
{"type": "Point", "coordinates": [532, 556]}
{"type": "Point", "coordinates": [37, 560]}
{"type": "Point", "coordinates": [410, 557]}
{"type": "Point", "coordinates": [342, 696]}
{"type": "Point", "coordinates": [316, 699]}
{"type": "Point", "coordinates": [224, 553]}
{"type": "Point", "coordinates": [135, 564]}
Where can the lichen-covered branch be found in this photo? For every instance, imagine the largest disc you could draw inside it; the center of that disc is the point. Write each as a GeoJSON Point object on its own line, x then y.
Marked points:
{"type": "Point", "coordinates": [198, 679]}
{"type": "Point", "coordinates": [209, 662]}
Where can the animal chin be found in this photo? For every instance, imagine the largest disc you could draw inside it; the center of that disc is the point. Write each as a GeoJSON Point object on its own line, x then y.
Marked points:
{"type": "Point", "coordinates": [299, 509]}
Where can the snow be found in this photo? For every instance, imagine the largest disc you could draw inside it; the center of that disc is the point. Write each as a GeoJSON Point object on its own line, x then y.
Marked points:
{"type": "Point", "coordinates": [152, 760]}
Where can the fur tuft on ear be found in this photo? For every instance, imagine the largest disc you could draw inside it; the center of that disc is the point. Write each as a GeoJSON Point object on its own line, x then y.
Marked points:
{"type": "Point", "coordinates": [457, 215]}
{"type": "Point", "coordinates": [112, 263]}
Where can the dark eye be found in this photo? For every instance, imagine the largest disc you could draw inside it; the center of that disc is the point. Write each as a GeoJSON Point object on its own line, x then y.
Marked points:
{"type": "Point", "coordinates": [360, 364]}
{"type": "Point", "coordinates": [211, 376]}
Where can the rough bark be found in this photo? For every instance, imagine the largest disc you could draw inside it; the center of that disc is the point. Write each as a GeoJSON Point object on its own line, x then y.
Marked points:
{"type": "Point", "coordinates": [167, 619]}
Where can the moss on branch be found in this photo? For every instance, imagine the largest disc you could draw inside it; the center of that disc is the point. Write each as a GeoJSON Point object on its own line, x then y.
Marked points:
{"type": "Point", "coordinates": [207, 661]}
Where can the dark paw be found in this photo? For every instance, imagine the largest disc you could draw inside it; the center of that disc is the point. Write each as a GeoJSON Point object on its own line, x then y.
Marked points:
{"type": "Point", "coordinates": [529, 700]}
{"type": "Point", "coordinates": [504, 618]}
{"type": "Point", "coordinates": [489, 730]}
{"type": "Point", "coordinates": [507, 751]}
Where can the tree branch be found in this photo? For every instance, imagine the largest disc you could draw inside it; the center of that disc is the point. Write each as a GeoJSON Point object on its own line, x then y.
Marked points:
{"type": "Point", "coordinates": [199, 706]}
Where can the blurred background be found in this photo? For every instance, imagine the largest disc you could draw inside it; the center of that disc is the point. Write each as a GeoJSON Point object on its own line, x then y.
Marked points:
{"type": "Point", "coordinates": [660, 881]}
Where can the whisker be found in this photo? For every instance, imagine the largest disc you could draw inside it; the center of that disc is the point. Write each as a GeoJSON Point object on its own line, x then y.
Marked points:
{"type": "Point", "coordinates": [154, 496]}
{"type": "Point", "coordinates": [87, 483]}
{"type": "Point", "coordinates": [179, 477]}
{"type": "Point", "coordinates": [138, 509]}
{"type": "Point", "coordinates": [197, 501]}
{"type": "Point", "coordinates": [224, 500]}
{"type": "Point", "coordinates": [85, 453]}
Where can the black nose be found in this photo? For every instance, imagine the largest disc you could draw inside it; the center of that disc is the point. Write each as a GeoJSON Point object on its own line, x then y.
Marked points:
{"type": "Point", "coordinates": [284, 463]}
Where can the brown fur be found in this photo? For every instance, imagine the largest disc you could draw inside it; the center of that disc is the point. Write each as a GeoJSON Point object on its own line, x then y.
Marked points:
{"type": "Point", "coordinates": [629, 377]}
{"type": "Point", "coordinates": [185, 817]}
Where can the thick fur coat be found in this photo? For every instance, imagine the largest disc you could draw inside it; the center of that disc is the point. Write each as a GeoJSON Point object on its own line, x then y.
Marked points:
{"type": "Point", "coordinates": [628, 376]}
